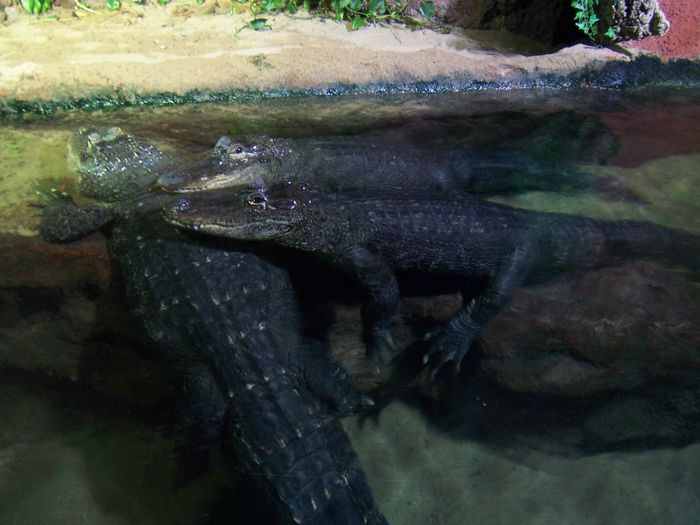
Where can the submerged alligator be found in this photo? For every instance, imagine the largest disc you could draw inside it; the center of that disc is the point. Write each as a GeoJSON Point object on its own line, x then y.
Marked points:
{"type": "Point", "coordinates": [468, 238]}
{"type": "Point", "coordinates": [227, 322]}
{"type": "Point", "coordinates": [345, 163]}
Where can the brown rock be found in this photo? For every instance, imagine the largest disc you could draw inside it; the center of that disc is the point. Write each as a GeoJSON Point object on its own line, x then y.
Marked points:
{"type": "Point", "coordinates": [632, 19]}
{"type": "Point", "coordinates": [683, 40]}
{"type": "Point", "coordinates": [611, 329]}
{"type": "Point", "coordinates": [30, 262]}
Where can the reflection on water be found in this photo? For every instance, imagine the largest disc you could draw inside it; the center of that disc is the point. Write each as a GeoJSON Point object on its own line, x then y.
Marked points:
{"type": "Point", "coordinates": [579, 404]}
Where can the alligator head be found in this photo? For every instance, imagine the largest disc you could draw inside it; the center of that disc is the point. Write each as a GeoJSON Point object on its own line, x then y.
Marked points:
{"type": "Point", "coordinates": [253, 214]}
{"type": "Point", "coordinates": [231, 163]}
{"type": "Point", "coordinates": [113, 165]}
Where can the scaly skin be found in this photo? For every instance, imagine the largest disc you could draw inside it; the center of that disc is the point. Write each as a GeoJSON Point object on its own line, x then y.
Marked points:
{"type": "Point", "coordinates": [227, 322]}
{"type": "Point", "coordinates": [362, 163]}
{"type": "Point", "coordinates": [468, 238]}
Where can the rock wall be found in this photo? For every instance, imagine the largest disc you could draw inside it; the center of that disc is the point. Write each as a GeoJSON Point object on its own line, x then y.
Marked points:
{"type": "Point", "coordinates": [632, 19]}
{"type": "Point", "coordinates": [683, 39]}
{"type": "Point", "coordinates": [549, 21]}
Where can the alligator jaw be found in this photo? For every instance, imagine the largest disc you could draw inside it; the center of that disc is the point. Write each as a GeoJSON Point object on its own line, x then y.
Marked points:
{"type": "Point", "coordinates": [192, 185]}
{"type": "Point", "coordinates": [183, 216]}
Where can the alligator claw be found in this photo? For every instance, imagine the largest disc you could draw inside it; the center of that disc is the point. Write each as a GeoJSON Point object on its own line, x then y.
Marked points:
{"type": "Point", "coordinates": [380, 348]}
{"type": "Point", "coordinates": [447, 347]}
{"type": "Point", "coordinates": [367, 401]}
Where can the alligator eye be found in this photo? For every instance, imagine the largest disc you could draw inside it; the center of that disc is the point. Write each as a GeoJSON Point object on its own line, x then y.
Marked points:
{"type": "Point", "coordinates": [257, 199]}
{"type": "Point", "coordinates": [238, 150]}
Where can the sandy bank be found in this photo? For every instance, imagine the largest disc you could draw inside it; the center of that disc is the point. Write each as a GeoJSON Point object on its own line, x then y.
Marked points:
{"type": "Point", "coordinates": [148, 50]}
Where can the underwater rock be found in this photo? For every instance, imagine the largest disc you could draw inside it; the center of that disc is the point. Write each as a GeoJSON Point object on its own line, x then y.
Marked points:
{"type": "Point", "coordinates": [60, 318]}
{"type": "Point", "coordinates": [33, 263]}
{"type": "Point", "coordinates": [610, 329]}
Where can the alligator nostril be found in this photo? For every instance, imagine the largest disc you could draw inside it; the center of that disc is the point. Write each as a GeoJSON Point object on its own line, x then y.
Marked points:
{"type": "Point", "coordinates": [176, 210]}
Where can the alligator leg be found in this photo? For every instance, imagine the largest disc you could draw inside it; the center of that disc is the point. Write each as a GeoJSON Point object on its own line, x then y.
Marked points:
{"type": "Point", "coordinates": [452, 342]}
{"type": "Point", "coordinates": [65, 222]}
{"type": "Point", "coordinates": [380, 305]}
{"type": "Point", "coordinates": [200, 423]}
{"type": "Point", "coordinates": [328, 380]}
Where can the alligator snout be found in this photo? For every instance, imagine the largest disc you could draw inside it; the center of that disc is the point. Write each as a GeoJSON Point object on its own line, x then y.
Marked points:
{"type": "Point", "coordinates": [170, 181]}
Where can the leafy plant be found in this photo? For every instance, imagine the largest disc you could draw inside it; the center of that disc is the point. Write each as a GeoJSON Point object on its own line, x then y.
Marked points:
{"type": "Point", "coordinates": [427, 9]}
{"type": "Point", "coordinates": [586, 18]}
{"type": "Point", "coordinates": [36, 7]}
{"type": "Point", "coordinates": [259, 24]}
{"type": "Point", "coordinates": [113, 5]}
{"type": "Point", "coordinates": [357, 12]}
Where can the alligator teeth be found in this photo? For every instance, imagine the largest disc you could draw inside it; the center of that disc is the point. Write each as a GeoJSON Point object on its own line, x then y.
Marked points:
{"type": "Point", "coordinates": [327, 493]}
{"type": "Point", "coordinates": [298, 432]}
{"type": "Point", "coordinates": [249, 386]}
{"type": "Point", "coordinates": [313, 504]}
{"type": "Point", "coordinates": [215, 300]}
{"type": "Point", "coordinates": [230, 339]}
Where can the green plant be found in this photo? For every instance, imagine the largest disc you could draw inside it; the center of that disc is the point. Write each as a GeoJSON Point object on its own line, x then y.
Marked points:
{"type": "Point", "coordinates": [36, 6]}
{"type": "Point", "coordinates": [113, 5]}
{"type": "Point", "coordinates": [586, 17]}
{"type": "Point", "coordinates": [357, 12]}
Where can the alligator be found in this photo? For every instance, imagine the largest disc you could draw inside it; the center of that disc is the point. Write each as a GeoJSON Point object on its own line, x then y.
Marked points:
{"type": "Point", "coordinates": [466, 238]}
{"type": "Point", "coordinates": [345, 163]}
{"type": "Point", "coordinates": [226, 321]}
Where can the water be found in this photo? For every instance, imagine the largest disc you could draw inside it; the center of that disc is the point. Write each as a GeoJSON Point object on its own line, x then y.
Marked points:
{"type": "Point", "coordinates": [581, 405]}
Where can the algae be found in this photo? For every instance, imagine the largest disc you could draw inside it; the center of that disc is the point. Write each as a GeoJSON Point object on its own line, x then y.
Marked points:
{"type": "Point", "coordinates": [643, 71]}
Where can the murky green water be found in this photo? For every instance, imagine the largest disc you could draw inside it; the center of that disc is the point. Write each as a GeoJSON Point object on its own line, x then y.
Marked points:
{"type": "Point", "coordinates": [581, 406]}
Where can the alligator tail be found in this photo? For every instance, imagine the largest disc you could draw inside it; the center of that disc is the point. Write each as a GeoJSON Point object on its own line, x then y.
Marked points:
{"type": "Point", "coordinates": [308, 468]}
{"type": "Point", "coordinates": [347, 500]}
{"type": "Point", "coordinates": [627, 239]}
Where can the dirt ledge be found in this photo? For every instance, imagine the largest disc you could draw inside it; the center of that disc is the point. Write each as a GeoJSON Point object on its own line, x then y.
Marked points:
{"type": "Point", "coordinates": [153, 50]}
{"type": "Point", "coordinates": [150, 55]}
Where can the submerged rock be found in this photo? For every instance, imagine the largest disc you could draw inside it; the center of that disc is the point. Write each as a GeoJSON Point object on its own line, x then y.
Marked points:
{"type": "Point", "coordinates": [610, 329]}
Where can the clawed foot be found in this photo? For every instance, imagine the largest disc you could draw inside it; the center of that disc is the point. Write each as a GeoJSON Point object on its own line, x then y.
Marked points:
{"type": "Point", "coordinates": [54, 207]}
{"type": "Point", "coordinates": [344, 397]}
{"type": "Point", "coordinates": [447, 347]}
{"type": "Point", "coordinates": [47, 202]}
{"type": "Point", "coordinates": [380, 347]}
